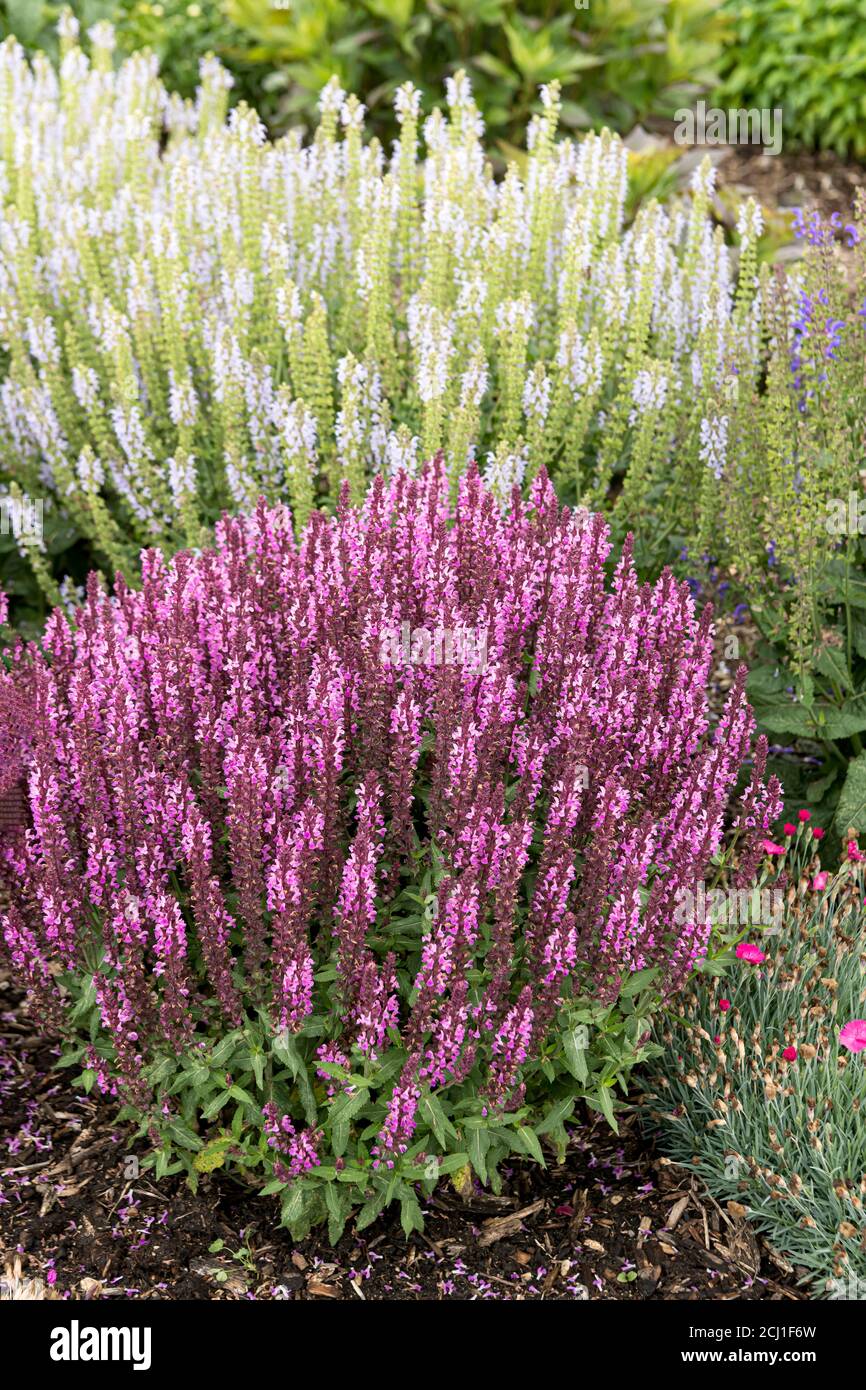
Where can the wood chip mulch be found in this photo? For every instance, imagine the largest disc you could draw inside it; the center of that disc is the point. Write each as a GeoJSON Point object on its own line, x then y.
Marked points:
{"type": "Point", "coordinates": [614, 1221]}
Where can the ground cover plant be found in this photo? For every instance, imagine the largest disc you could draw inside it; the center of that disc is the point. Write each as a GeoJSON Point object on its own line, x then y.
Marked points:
{"type": "Point", "coordinates": [355, 861]}
{"type": "Point", "coordinates": [764, 1086]}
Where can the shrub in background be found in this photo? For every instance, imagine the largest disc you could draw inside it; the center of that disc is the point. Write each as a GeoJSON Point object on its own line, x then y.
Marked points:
{"type": "Point", "coordinates": [617, 62]}
{"type": "Point", "coordinates": [805, 59]}
{"type": "Point", "coordinates": [764, 1083]}
{"type": "Point", "coordinates": [356, 861]}
{"type": "Point", "coordinates": [180, 33]}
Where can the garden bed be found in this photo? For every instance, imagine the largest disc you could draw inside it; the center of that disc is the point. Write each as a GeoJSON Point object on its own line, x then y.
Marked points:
{"type": "Point", "coordinates": [614, 1221]}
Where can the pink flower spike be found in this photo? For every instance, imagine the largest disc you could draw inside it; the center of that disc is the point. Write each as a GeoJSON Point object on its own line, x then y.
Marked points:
{"type": "Point", "coordinates": [804, 815]}
{"type": "Point", "coordinates": [853, 1035]}
{"type": "Point", "coordinates": [747, 950]}
{"type": "Point", "coordinates": [790, 1054]}
{"type": "Point", "coordinates": [820, 881]}
{"type": "Point", "coordinates": [724, 1005]}
{"type": "Point", "coordinates": [770, 848]}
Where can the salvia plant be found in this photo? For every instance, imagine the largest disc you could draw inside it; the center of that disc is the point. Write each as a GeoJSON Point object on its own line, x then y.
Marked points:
{"type": "Point", "coordinates": [355, 861]}
{"type": "Point", "coordinates": [194, 317]}
{"type": "Point", "coordinates": [764, 1087]}
{"type": "Point", "coordinates": [784, 506]}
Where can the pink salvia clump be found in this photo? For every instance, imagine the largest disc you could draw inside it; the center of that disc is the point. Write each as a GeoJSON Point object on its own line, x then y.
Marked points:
{"type": "Point", "coordinates": [234, 773]}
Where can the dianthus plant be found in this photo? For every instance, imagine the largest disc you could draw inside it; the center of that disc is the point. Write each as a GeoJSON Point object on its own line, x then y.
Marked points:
{"type": "Point", "coordinates": [358, 859]}
{"type": "Point", "coordinates": [763, 1086]}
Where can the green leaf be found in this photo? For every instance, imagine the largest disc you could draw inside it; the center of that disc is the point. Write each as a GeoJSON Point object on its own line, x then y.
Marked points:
{"type": "Point", "coordinates": [851, 810]}
{"type": "Point", "coordinates": [575, 1055]}
{"type": "Point", "coordinates": [832, 664]}
{"type": "Point", "coordinates": [605, 1102]}
{"type": "Point", "coordinates": [479, 1143]}
{"type": "Point", "coordinates": [533, 1147]}
{"type": "Point", "coordinates": [369, 1211]}
{"type": "Point", "coordinates": [411, 1218]}
{"type": "Point", "coordinates": [438, 1120]}
{"type": "Point", "coordinates": [559, 1111]}
{"type": "Point", "coordinates": [636, 982]}
{"type": "Point", "coordinates": [452, 1163]}
{"type": "Point", "coordinates": [213, 1107]}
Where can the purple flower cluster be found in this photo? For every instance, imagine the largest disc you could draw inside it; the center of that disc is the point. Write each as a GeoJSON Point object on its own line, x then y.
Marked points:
{"type": "Point", "coordinates": [234, 790]}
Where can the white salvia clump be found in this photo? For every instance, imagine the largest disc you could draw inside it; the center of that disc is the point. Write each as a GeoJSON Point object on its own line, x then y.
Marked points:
{"type": "Point", "coordinates": [181, 275]}
{"type": "Point", "coordinates": [331, 98]}
{"type": "Point", "coordinates": [536, 397]}
{"type": "Point", "coordinates": [649, 390]}
{"type": "Point", "coordinates": [504, 471]}
{"type": "Point", "coordinates": [85, 384]}
{"type": "Point", "coordinates": [89, 471]}
{"type": "Point", "coordinates": [407, 102]}
{"type": "Point", "coordinates": [473, 384]}
{"type": "Point", "coordinates": [401, 452]}
{"type": "Point", "coordinates": [182, 478]}
{"type": "Point", "coordinates": [582, 366]}
{"type": "Point", "coordinates": [182, 402]}
{"type": "Point", "coordinates": [714, 443]}
{"type": "Point", "coordinates": [750, 221]}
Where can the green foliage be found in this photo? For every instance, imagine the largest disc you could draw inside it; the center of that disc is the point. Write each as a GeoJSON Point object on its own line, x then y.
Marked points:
{"type": "Point", "coordinates": [782, 1138]}
{"type": "Point", "coordinates": [179, 32]}
{"type": "Point", "coordinates": [786, 517]}
{"type": "Point", "coordinates": [617, 60]}
{"type": "Point", "coordinates": [807, 59]}
{"type": "Point", "coordinates": [217, 1090]}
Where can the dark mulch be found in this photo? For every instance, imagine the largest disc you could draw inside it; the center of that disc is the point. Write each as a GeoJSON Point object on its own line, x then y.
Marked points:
{"type": "Point", "coordinates": [822, 181]}
{"type": "Point", "coordinates": [615, 1221]}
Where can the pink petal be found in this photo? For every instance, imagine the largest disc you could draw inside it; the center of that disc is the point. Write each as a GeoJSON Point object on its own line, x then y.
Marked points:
{"type": "Point", "coordinates": [853, 1035]}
